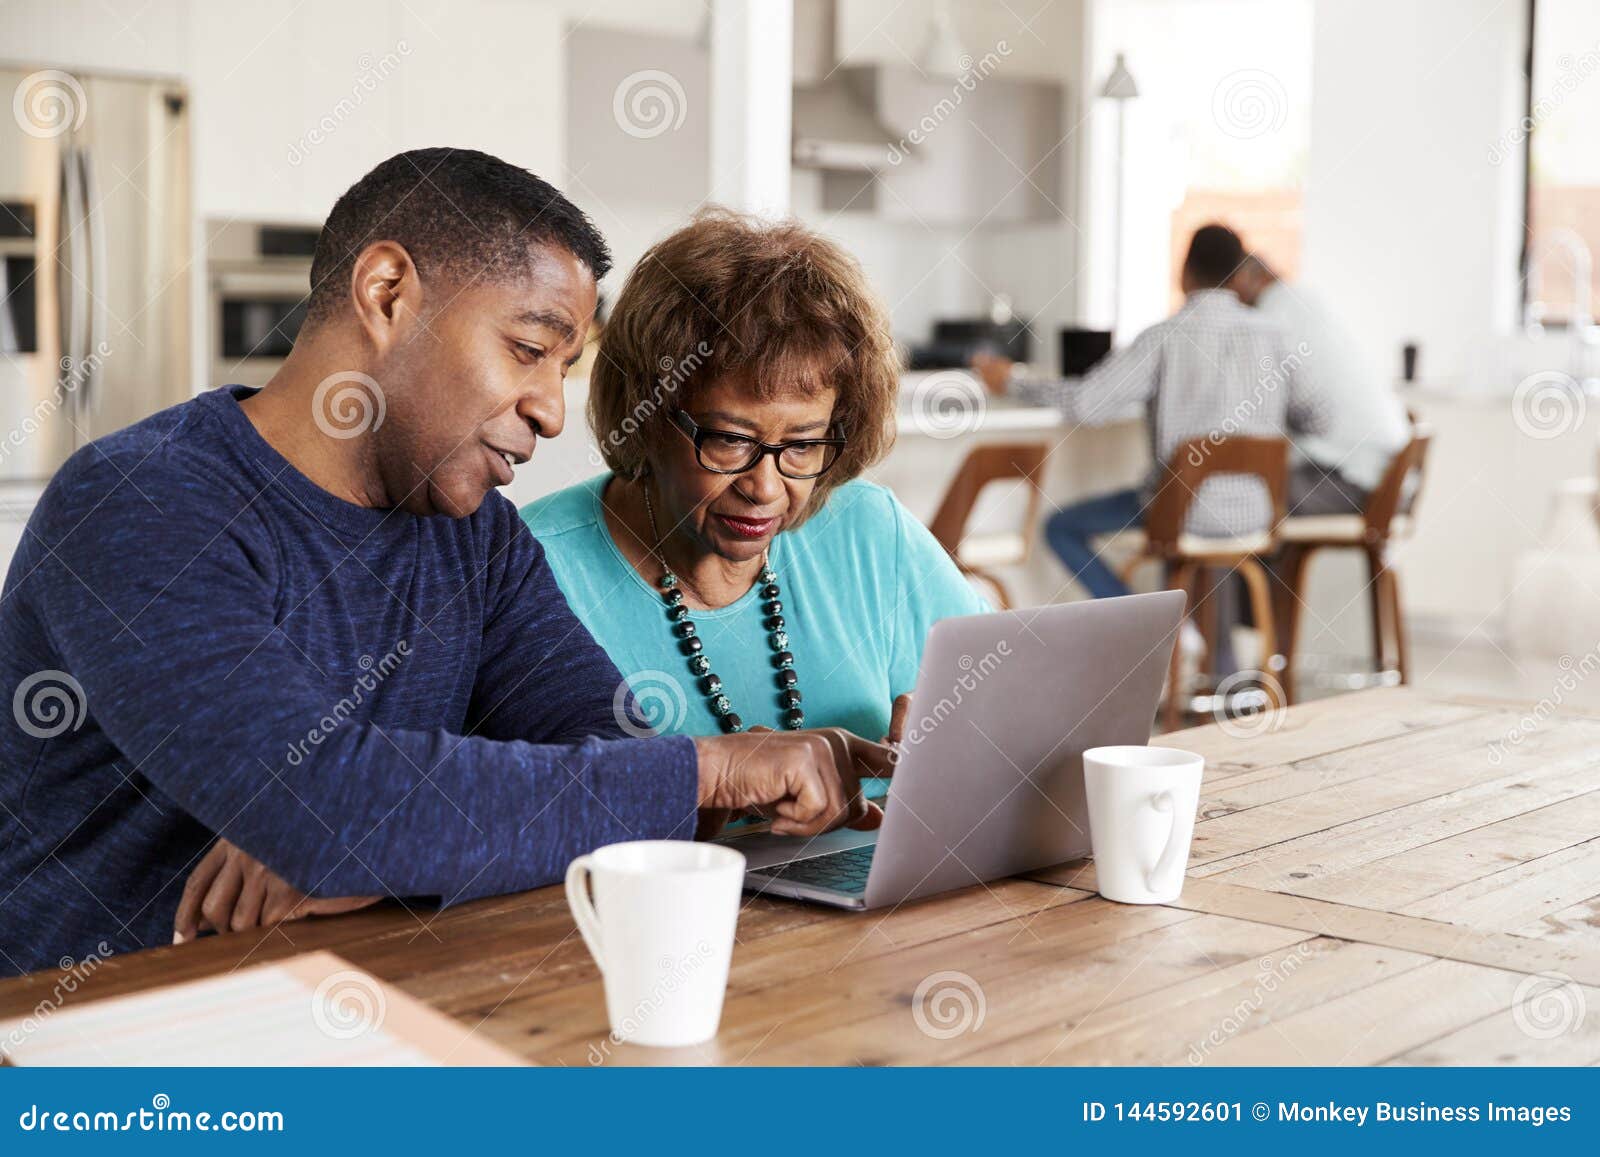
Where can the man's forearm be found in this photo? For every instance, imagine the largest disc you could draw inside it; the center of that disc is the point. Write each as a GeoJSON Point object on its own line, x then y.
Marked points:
{"type": "Point", "coordinates": [434, 814]}
{"type": "Point", "coordinates": [1053, 392]}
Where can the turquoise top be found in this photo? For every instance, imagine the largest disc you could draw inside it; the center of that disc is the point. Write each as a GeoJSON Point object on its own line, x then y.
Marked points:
{"type": "Point", "coordinates": [861, 582]}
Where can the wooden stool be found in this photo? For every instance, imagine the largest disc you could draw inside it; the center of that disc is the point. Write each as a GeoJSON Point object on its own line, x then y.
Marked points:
{"type": "Point", "coordinates": [977, 555]}
{"type": "Point", "coordinates": [1188, 556]}
{"type": "Point", "coordinates": [1370, 532]}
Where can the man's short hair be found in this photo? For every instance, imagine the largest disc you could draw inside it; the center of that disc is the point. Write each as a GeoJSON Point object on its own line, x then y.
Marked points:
{"type": "Point", "coordinates": [1215, 254]}
{"type": "Point", "coordinates": [457, 212]}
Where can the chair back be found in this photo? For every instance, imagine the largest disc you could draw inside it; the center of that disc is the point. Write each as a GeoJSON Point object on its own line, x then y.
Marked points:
{"type": "Point", "coordinates": [1196, 461]}
{"type": "Point", "coordinates": [995, 462]}
{"type": "Point", "coordinates": [1385, 500]}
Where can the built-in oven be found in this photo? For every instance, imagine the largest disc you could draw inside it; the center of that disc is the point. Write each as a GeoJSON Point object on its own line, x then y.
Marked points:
{"type": "Point", "coordinates": [260, 277]}
{"type": "Point", "coordinates": [19, 317]}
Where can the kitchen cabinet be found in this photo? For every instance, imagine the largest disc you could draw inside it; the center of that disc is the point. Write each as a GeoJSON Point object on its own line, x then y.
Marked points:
{"type": "Point", "coordinates": [990, 154]}
{"type": "Point", "coordinates": [321, 95]}
{"type": "Point", "coordinates": [638, 121]}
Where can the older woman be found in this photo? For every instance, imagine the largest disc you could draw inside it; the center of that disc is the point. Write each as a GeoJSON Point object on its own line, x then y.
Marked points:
{"type": "Point", "coordinates": [731, 562]}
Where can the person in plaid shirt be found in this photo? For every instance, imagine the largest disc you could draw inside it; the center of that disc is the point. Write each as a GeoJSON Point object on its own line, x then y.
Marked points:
{"type": "Point", "coordinates": [1214, 368]}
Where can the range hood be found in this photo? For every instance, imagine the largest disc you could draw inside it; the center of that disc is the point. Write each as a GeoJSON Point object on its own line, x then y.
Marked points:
{"type": "Point", "coordinates": [835, 129]}
{"type": "Point", "coordinates": [835, 124]}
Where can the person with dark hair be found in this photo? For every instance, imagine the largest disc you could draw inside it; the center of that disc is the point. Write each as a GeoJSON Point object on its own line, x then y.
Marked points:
{"type": "Point", "coordinates": [1212, 369]}
{"type": "Point", "coordinates": [294, 637]}
{"type": "Point", "coordinates": [1335, 470]}
{"type": "Point", "coordinates": [745, 382]}
{"type": "Point", "coordinates": [461, 215]}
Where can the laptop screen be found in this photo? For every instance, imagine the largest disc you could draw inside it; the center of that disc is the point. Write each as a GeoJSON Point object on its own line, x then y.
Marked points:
{"type": "Point", "coordinates": [1081, 349]}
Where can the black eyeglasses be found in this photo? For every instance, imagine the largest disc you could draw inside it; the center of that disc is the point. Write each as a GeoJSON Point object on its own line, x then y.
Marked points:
{"type": "Point", "coordinates": [724, 452]}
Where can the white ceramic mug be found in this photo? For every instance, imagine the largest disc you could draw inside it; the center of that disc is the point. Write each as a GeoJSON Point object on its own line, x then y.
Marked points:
{"type": "Point", "coordinates": [1142, 803]}
{"type": "Point", "coordinates": [660, 926]}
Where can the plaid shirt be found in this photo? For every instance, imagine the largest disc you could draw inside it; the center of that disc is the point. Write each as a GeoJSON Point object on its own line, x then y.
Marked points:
{"type": "Point", "coordinates": [1214, 368]}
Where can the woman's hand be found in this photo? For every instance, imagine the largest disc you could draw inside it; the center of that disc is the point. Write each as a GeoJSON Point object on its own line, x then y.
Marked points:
{"type": "Point", "coordinates": [897, 718]}
{"type": "Point", "coordinates": [230, 891]}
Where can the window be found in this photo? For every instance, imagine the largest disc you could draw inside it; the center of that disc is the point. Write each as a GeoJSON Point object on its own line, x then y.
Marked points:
{"type": "Point", "coordinates": [1563, 204]}
{"type": "Point", "coordinates": [1220, 131]}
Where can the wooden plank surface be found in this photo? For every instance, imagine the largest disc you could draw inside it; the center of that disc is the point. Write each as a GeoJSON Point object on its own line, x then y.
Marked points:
{"type": "Point", "coordinates": [1386, 877]}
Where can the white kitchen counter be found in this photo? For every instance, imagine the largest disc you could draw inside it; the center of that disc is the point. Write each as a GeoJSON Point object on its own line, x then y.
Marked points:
{"type": "Point", "coordinates": [995, 416]}
{"type": "Point", "coordinates": [944, 404]}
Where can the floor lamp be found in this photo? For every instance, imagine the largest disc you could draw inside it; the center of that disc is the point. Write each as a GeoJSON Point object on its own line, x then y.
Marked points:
{"type": "Point", "coordinates": [1119, 87]}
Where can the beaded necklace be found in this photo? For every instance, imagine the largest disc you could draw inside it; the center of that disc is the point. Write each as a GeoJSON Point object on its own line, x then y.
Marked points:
{"type": "Point", "coordinates": [689, 642]}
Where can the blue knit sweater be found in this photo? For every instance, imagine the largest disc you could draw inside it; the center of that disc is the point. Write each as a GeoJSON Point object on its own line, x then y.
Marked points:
{"type": "Point", "coordinates": [196, 639]}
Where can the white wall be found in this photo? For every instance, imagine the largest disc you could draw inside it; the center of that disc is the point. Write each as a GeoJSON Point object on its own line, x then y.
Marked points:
{"type": "Point", "coordinates": [151, 39]}
{"type": "Point", "coordinates": [292, 103]}
{"type": "Point", "coordinates": [322, 93]}
{"type": "Point", "coordinates": [1408, 224]}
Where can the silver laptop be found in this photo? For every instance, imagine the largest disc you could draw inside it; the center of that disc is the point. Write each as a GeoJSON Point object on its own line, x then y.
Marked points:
{"type": "Point", "coordinates": [990, 777]}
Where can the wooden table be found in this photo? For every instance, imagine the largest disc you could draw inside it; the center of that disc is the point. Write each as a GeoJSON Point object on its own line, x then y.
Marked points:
{"type": "Point", "coordinates": [1374, 880]}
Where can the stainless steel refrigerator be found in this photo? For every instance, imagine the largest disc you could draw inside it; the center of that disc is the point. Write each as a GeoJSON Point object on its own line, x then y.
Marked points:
{"type": "Point", "coordinates": [95, 248]}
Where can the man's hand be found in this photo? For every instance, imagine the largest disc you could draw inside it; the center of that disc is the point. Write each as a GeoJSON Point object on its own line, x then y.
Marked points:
{"type": "Point", "coordinates": [808, 781]}
{"type": "Point", "coordinates": [994, 370]}
{"type": "Point", "coordinates": [232, 891]}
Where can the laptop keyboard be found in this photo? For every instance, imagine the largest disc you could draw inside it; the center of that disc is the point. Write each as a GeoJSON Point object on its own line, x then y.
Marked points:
{"type": "Point", "coordinates": [838, 871]}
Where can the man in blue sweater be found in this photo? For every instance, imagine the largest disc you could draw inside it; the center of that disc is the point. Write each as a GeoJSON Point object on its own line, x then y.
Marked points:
{"type": "Point", "coordinates": [301, 620]}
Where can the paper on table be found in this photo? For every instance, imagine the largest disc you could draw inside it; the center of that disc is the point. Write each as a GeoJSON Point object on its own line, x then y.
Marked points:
{"type": "Point", "coordinates": [315, 1009]}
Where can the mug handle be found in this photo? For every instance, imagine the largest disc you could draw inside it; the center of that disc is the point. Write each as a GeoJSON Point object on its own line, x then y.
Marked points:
{"type": "Point", "coordinates": [1162, 801]}
{"type": "Point", "coordinates": [582, 906]}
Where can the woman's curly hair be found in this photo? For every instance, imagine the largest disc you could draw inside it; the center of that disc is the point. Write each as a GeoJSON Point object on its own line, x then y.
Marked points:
{"type": "Point", "coordinates": [774, 306]}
